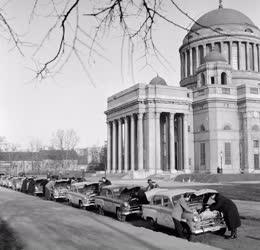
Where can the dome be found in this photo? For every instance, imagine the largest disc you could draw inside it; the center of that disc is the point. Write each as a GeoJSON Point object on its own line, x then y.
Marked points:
{"type": "Point", "coordinates": [158, 81]}
{"type": "Point", "coordinates": [214, 56]}
{"type": "Point", "coordinates": [222, 16]}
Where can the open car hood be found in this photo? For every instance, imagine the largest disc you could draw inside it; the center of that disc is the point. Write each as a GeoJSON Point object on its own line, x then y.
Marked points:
{"type": "Point", "coordinates": [205, 191]}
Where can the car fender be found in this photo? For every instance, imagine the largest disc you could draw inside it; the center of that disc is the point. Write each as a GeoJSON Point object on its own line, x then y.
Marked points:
{"type": "Point", "coordinates": [149, 212]}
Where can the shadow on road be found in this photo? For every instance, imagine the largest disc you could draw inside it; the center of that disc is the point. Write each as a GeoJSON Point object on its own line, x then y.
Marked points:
{"type": "Point", "coordinates": [9, 240]}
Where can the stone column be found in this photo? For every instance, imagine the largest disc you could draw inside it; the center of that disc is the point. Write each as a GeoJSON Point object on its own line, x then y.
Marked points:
{"type": "Point", "coordinates": [186, 63]}
{"type": "Point", "coordinates": [221, 47]}
{"type": "Point", "coordinates": [140, 141]}
{"type": "Point", "coordinates": [197, 57]}
{"type": "Point", "coordinates": [126, 159]}
{"type": "Point", "coordinates": [204, 50]}
{"type": "Point", "coordinates": [231, 56]}
{"type": "Point", "coordinates": [108, 147]}
{"type": "Point", "coordinates": [247, 57]}
{"type": "Point", "coordinates": [172, 149]}
{"type": "Point", "coordinates": [239, 56]}
{"type": "Point", "coordinates": [191, 64]}
{"type": "Point", "coordinates": [157, 142]}
{"type": "Point", "coordinates": [119, 146]}
{"type": "Point", "coordinates": [114, 147]}
{"type": "Point", "coordinates": [180, 143]}
{"type": "Point", "coordinates": [186, 143]}
{"type": "Point", "coordinates": [132, 143]}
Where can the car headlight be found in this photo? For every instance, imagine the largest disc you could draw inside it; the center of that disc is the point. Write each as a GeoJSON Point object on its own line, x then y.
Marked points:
{"type": "Point", "coordinates": [126, 205]}
{"type": "Point", "coordinates": [56, 192]}
{"type": "Point", "coordinates": [196, 218]}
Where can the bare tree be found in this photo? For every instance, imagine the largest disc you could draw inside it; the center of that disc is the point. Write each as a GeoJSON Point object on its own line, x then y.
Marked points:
{"type": "Point", "coordinates": [79, 27]}
{"type": "Point", "coordinates": [35, 146]}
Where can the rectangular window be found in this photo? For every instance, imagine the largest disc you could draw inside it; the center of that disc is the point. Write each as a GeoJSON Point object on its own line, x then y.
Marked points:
{"type": "Point", "coordinates": [256, 161]}
{"type": "Point", "coordinates": [254, 91]}
{"type": "Point", "coordinates": [217, 47]}
{"type": "Point", "coordinates": [227, 153]}
{"type": "Point", "coordinates": [202, 154]}
{"type": "Point", "coordinates": [226, 91]}
{"type": "Point", "coordinates": [256, 144]}
{"type": "Point", "coordinates": [212, 80]}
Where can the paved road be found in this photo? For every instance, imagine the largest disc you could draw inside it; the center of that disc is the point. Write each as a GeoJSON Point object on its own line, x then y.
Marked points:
{"type": "Point", "coordinates": [43, 225]}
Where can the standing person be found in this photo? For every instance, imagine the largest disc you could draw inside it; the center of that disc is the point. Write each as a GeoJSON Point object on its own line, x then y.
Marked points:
{"type": "Point", "coordinates": [181, 210]}
{"type": "Point", "coordinates": [151, 185]}
{"type": "Point", "coordinates": [230, 213]}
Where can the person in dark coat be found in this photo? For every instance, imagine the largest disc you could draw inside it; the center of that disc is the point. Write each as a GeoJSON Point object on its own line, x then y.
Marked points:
{"type": "Point", "coordinates": [230, 213]}
{"type": "Point", "coordinates": [151, 185]}
{"type": "Point", "coordinates": [24, 185]}
{"type": "Point", "coordinates": [31, 186]}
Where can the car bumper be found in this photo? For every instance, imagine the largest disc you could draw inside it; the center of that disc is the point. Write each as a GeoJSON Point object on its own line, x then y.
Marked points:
{"type": "Point", "coordinates": [208, 229]}
{"type": "Point", "coordinates": [131, 212]}
{"type": "Point", "coordinates": [60, 196]}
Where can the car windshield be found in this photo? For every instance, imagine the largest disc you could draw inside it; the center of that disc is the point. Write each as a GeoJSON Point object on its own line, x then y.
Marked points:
{"type": "Point", "coordinates": [61, 184]}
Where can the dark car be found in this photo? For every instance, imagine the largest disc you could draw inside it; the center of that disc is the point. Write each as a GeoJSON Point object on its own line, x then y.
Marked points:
{"type": "Point", "coordinates": [121, 200]}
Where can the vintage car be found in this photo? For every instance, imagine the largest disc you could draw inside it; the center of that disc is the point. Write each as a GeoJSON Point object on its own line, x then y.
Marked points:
{"type": "Point", "coordinates": [83, 194]}
{"type": "Point", "coordinates": [159, 212]}
{"type": "Point", "coordinates": [18, 183]}
{"type": "Point", "coordinates": [39, 186]}
{"type": "Point", "coordinates": [60, 189]}
{"type": "Point", "coordinates": [121, 200]}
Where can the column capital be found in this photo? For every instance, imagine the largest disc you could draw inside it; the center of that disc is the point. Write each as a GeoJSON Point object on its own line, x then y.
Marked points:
{"type": "Point", "coordinates": [140, 115]}
{"type": "Point", "coordinates": [157, 115]}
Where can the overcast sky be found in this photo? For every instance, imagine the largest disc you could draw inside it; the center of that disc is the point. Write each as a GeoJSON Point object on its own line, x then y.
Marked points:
{"type": "Point", "coordinates": [35, 110]}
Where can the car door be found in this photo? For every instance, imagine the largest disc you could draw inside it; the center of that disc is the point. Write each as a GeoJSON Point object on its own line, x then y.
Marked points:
{"type": "Point", "coordinates": [166, 213]}
{"type": "Point", "coordinates": [157, 205]}
{"type": "Point", "coordinates": [109, 201]}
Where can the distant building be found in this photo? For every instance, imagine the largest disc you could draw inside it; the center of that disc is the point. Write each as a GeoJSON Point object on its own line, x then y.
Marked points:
{"type": "Point", "coordinates": [38, 162]}
{"type": "Point", "coordinates": [211, 122]}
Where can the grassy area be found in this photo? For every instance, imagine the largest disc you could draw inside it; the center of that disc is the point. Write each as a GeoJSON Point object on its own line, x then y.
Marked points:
{"type": "Point", "coordinates": [250, 192]}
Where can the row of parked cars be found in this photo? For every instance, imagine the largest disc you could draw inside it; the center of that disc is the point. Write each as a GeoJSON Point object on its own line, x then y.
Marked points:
{"type": "Point", "coordinates": [123, 200]}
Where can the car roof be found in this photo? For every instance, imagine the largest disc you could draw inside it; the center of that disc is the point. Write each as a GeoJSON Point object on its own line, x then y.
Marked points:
{"type": "Point", "coordinates": [84, 183]}
{"type": "Point", "coordinates": [174, 192]}
{"type": "Point", "coordinates": [128, 186]}
{"type": "Point", "coordinates": [62, 180]}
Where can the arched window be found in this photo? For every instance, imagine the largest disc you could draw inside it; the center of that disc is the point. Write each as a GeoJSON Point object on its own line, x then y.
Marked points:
{"type": "Point", "coordinates": [255, 128]}
{"type": "Point", "coordinates": [223, 78]}
{"type": "Point", "coordinates": [249, 30]}
{"type": "Point", "coordinates": [227, 127]}
{"type": "Point", "coordinates": [203, 81]}
{"type": "Point", "coordinates": [202, 128]}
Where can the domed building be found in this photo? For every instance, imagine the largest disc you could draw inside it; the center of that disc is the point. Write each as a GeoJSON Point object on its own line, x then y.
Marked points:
{"type": "Point", "coordinates": [211, 122]}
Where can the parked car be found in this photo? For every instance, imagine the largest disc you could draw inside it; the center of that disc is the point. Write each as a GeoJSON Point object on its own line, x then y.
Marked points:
{"type": "Point", "coordinates": [40, 186]}
{"type": "Point", "coordinates": [60, 189]}
{"type": "Point", "coordinates": [121, 200]}
{"type": "Point", "coordinates": [159, 212]}
{"type": "Point", "coordinates": [83, 194]}
{"type": "Point", "coordinates": [18, 184]}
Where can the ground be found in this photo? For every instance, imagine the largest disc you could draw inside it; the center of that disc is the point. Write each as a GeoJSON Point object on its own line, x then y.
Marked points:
{"type": "Point", "coordinates": [37, 224]}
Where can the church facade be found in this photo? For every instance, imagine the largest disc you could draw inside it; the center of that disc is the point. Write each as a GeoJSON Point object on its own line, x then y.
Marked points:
{"type": "Point", "coordinates": [210, 123]}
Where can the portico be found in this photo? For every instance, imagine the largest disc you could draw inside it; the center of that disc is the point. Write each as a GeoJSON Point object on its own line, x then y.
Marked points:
{"type": "Point", "coordinates": [148, 132]}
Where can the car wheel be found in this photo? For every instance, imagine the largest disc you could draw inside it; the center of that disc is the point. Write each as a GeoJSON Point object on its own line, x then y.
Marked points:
{"type": "Point", "coordinates": [187, 232]}
{"type": "Point", "coordinates": [221, 231]}
{"type": "Point", "coordinates": [152, 223]}
{"type": "Point", "coordinates": [119, 215]}
{"type": "Point", "coordinates": [100, 210]}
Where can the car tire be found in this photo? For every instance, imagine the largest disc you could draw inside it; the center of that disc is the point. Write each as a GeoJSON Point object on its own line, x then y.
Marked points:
{"type": "Point", "coordinates": [119, 215]}
{"type": "Point", "coordinates": [152, 223]}
{"type": "Point", "coordinates": [221, 231]}
{"type": "Point", "coordinates": [100, 210]}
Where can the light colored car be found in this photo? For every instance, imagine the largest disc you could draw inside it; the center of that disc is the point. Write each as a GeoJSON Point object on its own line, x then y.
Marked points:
{"type": "Point", "coordinates": [83, 194]}
{"type": "Point", "coordinates": [159, 212]}
{"type": "Point", "coordinates": [60, 189]}
{"type": "Point", "coordinates": [120, 200]}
